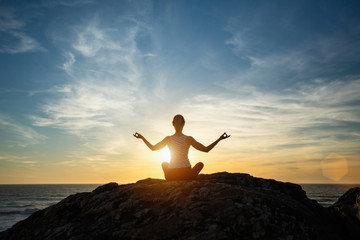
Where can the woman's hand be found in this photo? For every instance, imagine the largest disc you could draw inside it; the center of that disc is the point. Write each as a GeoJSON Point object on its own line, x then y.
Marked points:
{"type": "Point", "coordinates": [157, 146]}
{"type": "Point", "coordinates": [138, 135]}
{"type": "Point", "coordinates": [224, 136]}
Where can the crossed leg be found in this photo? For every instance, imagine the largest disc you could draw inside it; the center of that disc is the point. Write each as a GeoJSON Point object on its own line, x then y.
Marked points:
{"type": "Point", "coordinates": [181, 173]}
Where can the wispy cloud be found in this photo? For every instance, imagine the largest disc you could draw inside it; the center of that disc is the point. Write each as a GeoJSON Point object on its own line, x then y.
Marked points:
{"type": "Point", "coordinates": [13, 158]}
{"type": "Point", "coordinates": [273, 67]}
{"type": "Point", "coordinates": [16, 160]}
{"type": "Point", "coordinates": [92, 39]}
{"type": "Point", "coordinates": [8, 21]}
{"type": "Point", "coordinates": [312, 116]}
{"type": "Point", "coordinates": [105, 70]}
{"type": "Point", "coordinates": [298, 96]}
{"type": "Point", "coordinates": [66, 3]}
{"type": "Point", "coordinates": [14, 40]}
{"type": "Point", "coordinates": [88, 105]}
{"type": "Point", "coordinates": [237, 43]}
{"type": "Point", "coordinates": [18, 134]}
{"type": "Point", "coordinates": [67, 66]}
{"type": "Point", "coordinates": [306, 93]}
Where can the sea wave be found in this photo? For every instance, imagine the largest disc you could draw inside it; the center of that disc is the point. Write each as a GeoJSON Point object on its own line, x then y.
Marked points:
{"type": "Point", "coordinates": [27, 211]}
{"type": "Point", "coordinates": [17, 202]}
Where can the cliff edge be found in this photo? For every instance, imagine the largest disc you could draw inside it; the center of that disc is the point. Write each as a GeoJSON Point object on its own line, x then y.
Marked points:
{"type": "Point", "coordinates": [215, 206]}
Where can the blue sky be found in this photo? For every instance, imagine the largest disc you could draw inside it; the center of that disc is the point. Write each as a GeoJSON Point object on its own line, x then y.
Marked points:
{"type": "Point", "coordinates": [79, 77]}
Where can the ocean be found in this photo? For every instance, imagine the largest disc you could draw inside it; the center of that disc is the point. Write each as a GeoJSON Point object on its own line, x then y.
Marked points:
{"type": "Point", "coordinates": [326, 194]}
{"type": "Point", "coordinates": [17, 202]}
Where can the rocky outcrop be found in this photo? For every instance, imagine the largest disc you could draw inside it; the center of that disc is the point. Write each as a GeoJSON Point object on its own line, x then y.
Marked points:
{"type": "Point", "coordinates": [215, 206]}
{"type": "Point", "coordinates": [347, 211]}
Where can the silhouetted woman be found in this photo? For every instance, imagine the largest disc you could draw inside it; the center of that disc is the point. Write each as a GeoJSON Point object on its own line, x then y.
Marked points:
{"type": "Point", "coordinates": [179, 167]}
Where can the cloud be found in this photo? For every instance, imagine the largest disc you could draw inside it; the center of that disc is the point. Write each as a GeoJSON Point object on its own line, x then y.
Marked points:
{"type": "Point", "coordinates": [282, 65]}
{"type": "Point", "coordinates": [8, 21]}
{"type": "Point", "coordinates": [22, 161]}
{"type": "Point", "coordinates": [314, 116]}
{"type": "Point", "coordinates": [237, 43]}
{"type": "Point", "coordinates": [298, 98]}
{"type": "Point", "coordinates": [88, 105]}
{"type": "Point", "coordinates": [67, 66]}
{"type": "Point", "coordinates": [23, 43]}
{"type": "Point", "coordinates": [104, 88]}
{"type": "Point", "coordinates": [66, 3]}
{"type": "Point", "coordinates": [13, 158]}
{"type": "Point", "coordinates": [13, 39]}
{"type": "Point", "coordinates": [53, 90]}
{"type": "Point", "coordinates": [18, 134]}
{"type": "Point", "coordinates": [92, 39]}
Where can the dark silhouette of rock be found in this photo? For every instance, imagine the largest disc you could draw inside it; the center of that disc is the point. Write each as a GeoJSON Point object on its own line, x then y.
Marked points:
{"type": "Point", "coordinates": [215, 206]}
{"type": "Point", "coordinates": [347, 211]}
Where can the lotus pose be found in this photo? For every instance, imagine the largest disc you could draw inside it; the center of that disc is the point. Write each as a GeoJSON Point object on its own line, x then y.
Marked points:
{"type": "Point", "coordinates": [179, 167]}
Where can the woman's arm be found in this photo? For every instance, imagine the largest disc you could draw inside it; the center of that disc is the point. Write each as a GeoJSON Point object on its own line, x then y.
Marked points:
{"type": "Point", "coordinates": [202, 148]}
{"type": "Point", "coordinates": [155, 147]}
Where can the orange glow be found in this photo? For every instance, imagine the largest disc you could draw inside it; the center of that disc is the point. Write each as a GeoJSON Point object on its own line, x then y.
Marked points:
{"type": "Point", "coordinates": [334, 166]}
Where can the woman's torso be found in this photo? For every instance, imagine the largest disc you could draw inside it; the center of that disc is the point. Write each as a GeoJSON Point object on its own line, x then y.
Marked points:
{"type": "Point", "coordinates": [179, 149]}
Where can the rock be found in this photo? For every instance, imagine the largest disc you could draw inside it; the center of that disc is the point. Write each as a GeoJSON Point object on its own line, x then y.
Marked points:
{"type": "Point", "coordinates": [347, 210]}
{"type": "Point", "coordinates": [215, 206]}
{"type": "Point", "coordinates": [349, 204]}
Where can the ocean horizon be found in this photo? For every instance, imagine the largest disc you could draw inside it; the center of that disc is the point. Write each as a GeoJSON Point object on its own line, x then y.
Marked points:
{"type": "Point", "coordinates": [19, 201]}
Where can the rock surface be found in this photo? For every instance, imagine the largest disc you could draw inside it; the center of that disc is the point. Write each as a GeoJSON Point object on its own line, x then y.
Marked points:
{"type": "Point", "coordinates": [215, 206]}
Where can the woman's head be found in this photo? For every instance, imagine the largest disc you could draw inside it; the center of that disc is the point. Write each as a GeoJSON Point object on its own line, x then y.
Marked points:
{"type": "Point", "coordinates": [178, 122]}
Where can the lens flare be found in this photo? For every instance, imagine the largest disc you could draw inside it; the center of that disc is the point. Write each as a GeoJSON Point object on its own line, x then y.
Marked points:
{"type": "Point", "coordinates": [334, 166]}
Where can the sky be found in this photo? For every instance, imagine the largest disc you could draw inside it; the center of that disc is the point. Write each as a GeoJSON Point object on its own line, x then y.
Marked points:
{"type": "Point", "coordinates": [78, 78]}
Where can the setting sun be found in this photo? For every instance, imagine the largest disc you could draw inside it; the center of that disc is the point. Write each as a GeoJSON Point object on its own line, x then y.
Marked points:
{"type": "Point", "coordinates": [165, 155]}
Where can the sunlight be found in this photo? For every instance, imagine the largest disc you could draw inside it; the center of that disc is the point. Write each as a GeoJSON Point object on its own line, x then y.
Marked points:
{"type": "Point", "coordinates": [165, 155]}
